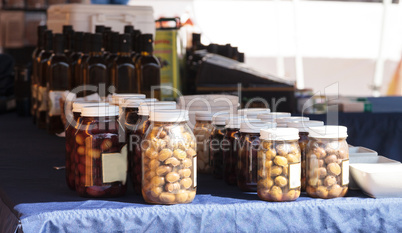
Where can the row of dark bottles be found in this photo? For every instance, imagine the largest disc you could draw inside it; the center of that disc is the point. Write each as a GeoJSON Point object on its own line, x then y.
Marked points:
{"type": "Point", "coordinates": [85, 63]}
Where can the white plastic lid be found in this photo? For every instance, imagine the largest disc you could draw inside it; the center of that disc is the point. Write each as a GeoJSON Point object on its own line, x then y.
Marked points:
{"type": "Point", "coordinates": [220, 119]}
{"type": "Point", "coordinates": [291, 119]}
{"type": "Point", "coordinates": [279, 134]}
{"type": "Point", "coordinates": [255, 127]}
{"type": "Point", "coordinates": [102, 111]}
{"type": "Point", "coordinates": [203, 116]}
{"type": "Point", "coordinates": [272, 116]}
{"type": "Point", "coordinates": [77, 106]}
{"type": "Point", "coordinates": [328, 131]}
{"type": "Point", "coordinates": [121, 98]}
{"type": "Point", "coordinates": [135, 103]}
{"type": "Point", "coordinates": [146, 107]}
{"type": "Point", "coordinates": [253, 112]}
{"type": "Point", "coordinates": [175, 115]}
{"type": "Point", "coordinates": [303, 126]}
{"type": "Point", "coordinates": [236, 122]}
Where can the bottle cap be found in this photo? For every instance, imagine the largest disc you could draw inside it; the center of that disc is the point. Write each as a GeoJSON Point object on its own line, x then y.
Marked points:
{"type": "Point", "coordinates": [176, 115]}
{"type": "Point", "coordinates": [77, 106]}
{"type": "Point", "coordinates": [235, 122]}
{"type": "Point", "coordinates": [136, 40]}
{"type": "Point", "coordinates": [48, 40]}
{"type": "Point", "coordinates": [328, 131]}
{"type": "Point", "coordinates": [129, 29]}
{"type": "Point", "coordinates": [253, 112]}
{"type": "Point", "coordinates": [114, 42]}
{"type": "Point", "coordinates": [87, 42]}
{"type": "Point", "coordinates": [279, 134]}
{"type": "Point", "coordinates": [99, 29]}
{"type": "Point", "coordinates": [135, 103]}
{"type": "Point", "coordinates": [67, 28]}
{"type": "Point", "coordinates": [271, 117]}
{"type": "Point", "coordinates": [125, 43]}
{"type": "Point", "coordinates": [100, 111]}
{"type": "Point", "coordinates": [118, 99]}
{"type": "Point", "coordinates": [146, 42]}
{"type": "Point", "coordinates": [255, 127]}
{"type": "Point", "coordinates": [96, 42]}
{"type": "Point", "coordinates": [41, 31]}
{"type": "Point", "coordinates": [78, 41]}
{"type": "Point", "coordinates": [220, 119]}
{"type": "Point", "coordinates": [291, 119]}
{"type": "Point", "coordinates": [303, 126]}
{"type": "Point", "coordinates": [146, 107]}
{"type": "Point", "coordinates": [58, 43]}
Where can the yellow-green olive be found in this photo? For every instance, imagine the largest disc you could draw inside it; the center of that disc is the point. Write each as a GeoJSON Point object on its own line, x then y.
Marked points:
{"type": "Point", "coordinates": [186, 183]}
{"type": "Point", "coordinates": [329, 181]}
{"type": "Point", "coordinates": [276, 193]}
{"type": "Point", "coordinates": [172, 177]}
{"type": "Point", "coordinates": [334, 169]}
{"type": "Point", "coordinates": [322, 192]}
{"type": "Point", "coordinates": [180, 154]}
{"type": "Point", "coordinates": [163, 170]}
{"type": "Point", "coordinates": [276, 171]}
{"type": "Point", "coordinates": [281, 181]}
{"type": "Point", "coordinates": [280, 161]}
{"type": "Point", "coordinates": [167, 198]}
{"type": "Point", "coordinates": [335, 191]}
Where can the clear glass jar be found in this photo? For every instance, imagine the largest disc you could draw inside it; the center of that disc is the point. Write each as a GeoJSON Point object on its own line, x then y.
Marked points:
{"type": "Point", "coordinates": [279, 165]}
{"type": "Point", "coordinates": [202, 132]}
{"type": "Point", "coordinates": [136, 126]}
{"type": "Point", "coordinates": [302, 126]}
{"type": "Point", "coordinates": [249, 144]}
{"type": "Point", "coordinates": [169, 171]}
{"type": "Point", "coordinates": [327, 162]}
{"type": "Point", "coordinates": [70, 139]}
{"type": "Point", "coordinates": [101, 160]}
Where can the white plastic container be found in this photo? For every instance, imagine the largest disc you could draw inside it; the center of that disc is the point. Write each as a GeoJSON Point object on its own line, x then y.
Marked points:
{"type": "Point", "coordinates": [85, 17]}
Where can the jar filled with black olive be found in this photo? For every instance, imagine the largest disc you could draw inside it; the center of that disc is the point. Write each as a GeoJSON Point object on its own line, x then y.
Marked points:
{"type": "Point", "coordinates": [249, 143]}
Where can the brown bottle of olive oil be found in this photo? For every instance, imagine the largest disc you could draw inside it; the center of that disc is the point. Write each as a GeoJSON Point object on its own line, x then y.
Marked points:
{"type": "Point", "coordinates": [75, 56]}
{"type": "Point", "coordinates": [42, 71]}
{"type": "Point", "coordinates": [58, 83]}
{"type": "Point", "coordinates": [148, 69]}
{"type": "Point", "coordinates": [35, 73]}
{"type": "Point", "coordinates": [79, 67]}
{"type": "Point", "coordinates": [124, 78]}
{"type": "Point", "coordinates": [113, 49]}
{"type": "Point", "coordinates": [95, 69]}
{"type": "Point", "coordinates": [68, 33]}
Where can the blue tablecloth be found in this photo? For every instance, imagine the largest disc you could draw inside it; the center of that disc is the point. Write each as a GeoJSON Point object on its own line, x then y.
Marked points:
{"type": "Point", "coordinates": [35, 198]}
{"type": "Point", "coordinates": [381, 132]}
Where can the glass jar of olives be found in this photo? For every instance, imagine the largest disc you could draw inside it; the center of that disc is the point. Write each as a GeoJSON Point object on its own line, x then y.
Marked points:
{"type": "Point", "coordinates": [327, 162]}
{"type": "Point", "coordinates": [129, 109]}
{"type": "Point", "coordinates": [169, 159]}
{"type": "Point", "coordinates": [136, 125]}
{"type": "Point", "coordinates": [101, 159]}
{"type": "Point", "coordinates": [279, 166]}
{"type": "Point", "coordinates": [215, 144]}
{"type": "Point", "coordinates": [229, 147]}
{"type": "Point", "coordinates": [202, 132]}
{"type": "Point", "coordinates": [249, 143]}
{"type": "Point", "coordinates": [70, 139]}
{"type": "Point", "coordinates": [303, 126]}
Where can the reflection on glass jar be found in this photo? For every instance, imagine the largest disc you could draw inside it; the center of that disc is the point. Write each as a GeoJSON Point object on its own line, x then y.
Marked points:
{"type": "Point", "coordinates": [169, 170]}
{"type": "Point", "coordinates": [327, 162]}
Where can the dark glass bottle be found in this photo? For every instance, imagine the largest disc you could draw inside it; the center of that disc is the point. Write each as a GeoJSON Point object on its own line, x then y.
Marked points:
{"type": "Point", "coordinates": [79, 68]}
{"type": "Point", "coordinates": [124, 77]}
{"type": "Point", "coordinates": [230, 154]}
{"type": "Point", "coordinates": [105, 44]}
{"type": "Point", "coordinates": [35, 73]}
{"type": "Point", "coordinates": [136, 43]}
{"type": "Point", "coordinates": [113, 49]}
{"type": "Point", "coordinates": [95, 69]}
{"type": "Point", "coordinates": [58, 80]}
{"type": "Point", "coordinates": [75, 57]}
{"type": "Point", "coordinates": [247, 161]}
{"type": "Point", "coordinates": [42, 70]}
{"type": "Point", "coordinates": [148, 69]}
{"type": "Point", "coordinates": [68, 34]}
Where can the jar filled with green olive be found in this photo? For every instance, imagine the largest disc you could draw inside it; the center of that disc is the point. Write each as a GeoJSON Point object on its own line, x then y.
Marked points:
{"type": "Point", "coordinates": [169, 159]}
{"type": "Point", "coordinates": [327, 162]}
{"type": "Point", "coordinates": [279, 167]}
{"type": "Point", "coordinates": [303, 126]}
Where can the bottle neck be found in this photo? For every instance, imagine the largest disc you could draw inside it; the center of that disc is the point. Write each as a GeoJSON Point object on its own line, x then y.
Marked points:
{"type": "Point", "coordinates": [95, 53]}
